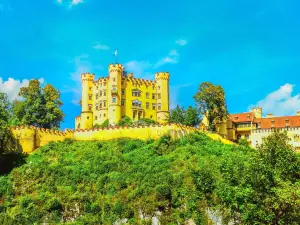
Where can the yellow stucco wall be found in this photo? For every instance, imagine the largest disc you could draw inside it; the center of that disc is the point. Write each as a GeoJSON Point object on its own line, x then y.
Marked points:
{"type": "Point", "coordinates": [31, 137]}
{"type": "Point", "coordinates": [111, 98]}
{"type": "Point", "coordinates": [142, 132]}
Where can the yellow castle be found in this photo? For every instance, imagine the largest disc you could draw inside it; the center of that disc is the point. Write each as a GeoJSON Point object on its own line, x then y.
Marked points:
{"type": "Point", "coordinates": [121, 94]}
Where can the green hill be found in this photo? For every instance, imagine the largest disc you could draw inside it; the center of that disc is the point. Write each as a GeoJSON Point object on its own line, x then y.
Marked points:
{"type": "Point", "coordinates": [100, 182]}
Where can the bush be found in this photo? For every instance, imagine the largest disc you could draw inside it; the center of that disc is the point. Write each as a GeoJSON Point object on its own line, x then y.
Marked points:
{"type": "Point", "coordinates": [126, 121]}
{"type": "Point", "coordinates": [105, 124]}
{"type": "Point", "coordinates": [97, 182]}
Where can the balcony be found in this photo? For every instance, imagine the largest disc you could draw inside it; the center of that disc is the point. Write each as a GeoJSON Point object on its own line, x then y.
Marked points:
{"type": "Point", "coordinates": [243, 127]}
{"type": "Point", "coordinates": [137, 107]}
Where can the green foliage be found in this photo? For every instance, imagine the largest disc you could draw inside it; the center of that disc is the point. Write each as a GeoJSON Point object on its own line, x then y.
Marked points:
{"type": "Point", "coordinates": [177, 115]}
{"type": "Point", "coordinates": [243, 142]}
{"type": "Point", "coordinates": [39, 107]}
{"type": "Point", "coordinates": [7, 142]}
{"type": "Point", "coordinates": [145, 122]}
{"type": "Point", "coordinates": [126, 121]}
{"type": "Point", "coordinates": [189, 117]}
{"type": "Point", "coordinates": [211, 103]}
{"type": "Point", "coordinates": [265, 189]}
{"type": "Point", "coordinates": [105, 124]}
{"type": "Point", "coordinates": [103, 182]}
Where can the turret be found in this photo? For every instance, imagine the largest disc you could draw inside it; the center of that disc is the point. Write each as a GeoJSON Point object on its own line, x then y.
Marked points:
{"type": "Point", "coordinates": [162, 89]}
{"type": "Point", "coordinates": [257, 112]}
{"type": "Point", "coordinates": [114, 93]}
{"type": "Point", "coordinates": [87, 80]}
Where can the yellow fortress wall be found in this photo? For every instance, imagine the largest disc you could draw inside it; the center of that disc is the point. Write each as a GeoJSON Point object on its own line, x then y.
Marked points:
{"type": "Point", "coordinates": [141, 132]}
{"type": "Point", "coordinates": [32, 138]}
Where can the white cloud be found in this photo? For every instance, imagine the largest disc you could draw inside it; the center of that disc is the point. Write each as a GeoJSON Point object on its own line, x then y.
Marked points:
{"type": "Point", "coordinates": [280, 102]}
{"type": "Point", "coordinates": [76, 2]}
{"type": "Point", "coordinates": [69, 2]}
{"type": "Point", "coordinates": [171, 58]}
{"type": "Point", "coordinates": [12, 87]}
{"type": "Point", "coordinates": [181, 42]}
{"type": "Point", "coordinates": [101, 47]}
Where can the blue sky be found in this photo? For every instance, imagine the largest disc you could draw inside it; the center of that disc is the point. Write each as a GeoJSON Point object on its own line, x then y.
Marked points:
{"type": "Point", "coordinates": [251, 48]}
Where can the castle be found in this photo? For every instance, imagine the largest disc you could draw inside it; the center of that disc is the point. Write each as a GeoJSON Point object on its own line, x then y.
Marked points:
{"type": "Point", "coordinates": [255, 128]}
{"type": "Point", "coordinates": [120, 94]}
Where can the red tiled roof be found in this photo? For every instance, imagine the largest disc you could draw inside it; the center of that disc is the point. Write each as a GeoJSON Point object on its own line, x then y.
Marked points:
{"type": "Point", "coordinates": [279, 122]}
{"type": "Point", "coordinates": [242, 117]}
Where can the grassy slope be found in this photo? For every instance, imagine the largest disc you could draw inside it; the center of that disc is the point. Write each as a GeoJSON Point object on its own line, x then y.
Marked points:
{"type": "Point", "coordinates": [99, 182]}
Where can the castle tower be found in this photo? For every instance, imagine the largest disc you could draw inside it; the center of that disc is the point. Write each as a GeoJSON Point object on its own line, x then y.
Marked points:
{"type": "Point", "coordinates": [87, 80]}
{"type": "Point", "coordinates": [257, 112]}
{"type": "Point", "coordinates": [114, 93]}
{"type": "Point", "coordinates": [162, 90]}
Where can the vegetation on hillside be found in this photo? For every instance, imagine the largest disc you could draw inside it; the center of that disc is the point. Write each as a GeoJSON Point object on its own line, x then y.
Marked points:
{"type": "Point", "coordinates": [102, 182]}
{"type": "Point", "coordinates": [10, 149]}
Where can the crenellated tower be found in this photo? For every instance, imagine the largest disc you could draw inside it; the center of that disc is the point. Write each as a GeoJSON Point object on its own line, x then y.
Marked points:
{"type": "Point", "coordinates": [114, 92]}
{"type": "Point", "coordinates": [87, 80]}
{"type": "Point", "coordinates": [257, 112]}
{"type": "Point", "coordinates": [162, 90]}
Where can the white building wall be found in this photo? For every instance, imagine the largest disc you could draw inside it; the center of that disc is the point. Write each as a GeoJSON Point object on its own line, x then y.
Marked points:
{"type": "Point", "coordinates": [257, 136]}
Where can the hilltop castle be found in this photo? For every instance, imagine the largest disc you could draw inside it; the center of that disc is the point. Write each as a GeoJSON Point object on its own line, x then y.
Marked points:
{"type": "Point", "coordinates": [121, 94]}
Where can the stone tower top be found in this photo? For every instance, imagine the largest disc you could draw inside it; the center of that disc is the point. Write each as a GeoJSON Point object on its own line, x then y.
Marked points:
{"type": "Point", "coordinates": [162, 76]}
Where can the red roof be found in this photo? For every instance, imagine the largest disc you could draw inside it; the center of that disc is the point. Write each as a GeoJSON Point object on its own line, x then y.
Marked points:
{"type": "Point", "coordinates": [242, 117]}
{"type": "Point", "coordinates": [279, 122]}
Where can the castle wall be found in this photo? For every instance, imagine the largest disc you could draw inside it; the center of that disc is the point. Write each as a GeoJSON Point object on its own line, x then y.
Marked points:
{"type": "Point", "coordinates": [257, 136]}
{"type": "Point", "coordinates": [142, 132]}
{"type": "Point", "coordinates": [32, 138]}
{"type": "Point", "coordinates": [145, 87]}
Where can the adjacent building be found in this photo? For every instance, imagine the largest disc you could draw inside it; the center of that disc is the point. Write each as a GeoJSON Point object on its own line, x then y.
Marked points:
{"type": "Point", "coordinates": [120, 94]}
{"type": "Point", "coordinates": [254, 127]}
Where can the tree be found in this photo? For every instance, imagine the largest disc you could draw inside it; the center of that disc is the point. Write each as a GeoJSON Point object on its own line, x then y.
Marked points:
{"type": "Point", "coordinates": [177, 115]}
{"type": "Point", "coordinates": [39, 106]}
{"type": "Point", "coordinates": [126, 121]}
{"type": "Point", "coordinates": [210, 100]}
{"type": "Point", "coordinates": [265, 190]}
{"type": "Point", "coordinates": [105, 124]}
{"type": "Point", "coordinates": [7, 141]}
{"type": "Point", "coordinates": [145, 121]}
{"type": "Point", "coordinates": [191, 117]}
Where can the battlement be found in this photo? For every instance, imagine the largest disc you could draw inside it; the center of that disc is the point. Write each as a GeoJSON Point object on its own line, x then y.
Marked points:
{"type": "Point", "coordinates": [139, 126]}
{"type": "Point", "coordinates": [141, 81]}
{"type": "Point", "coordinates": [87, 77]}
{"type": "Point", "coordinates": [31, 137]}
{"type": "Point", "coordinates": [162, 76]}
{"type": "Point", "coordinates": [115, 68]}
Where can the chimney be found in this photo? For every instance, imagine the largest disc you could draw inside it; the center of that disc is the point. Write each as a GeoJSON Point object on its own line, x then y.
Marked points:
{"type": "Point", "coordinates": [298, 113]}
{"type": "Point", "coordinates": [270, 115]}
